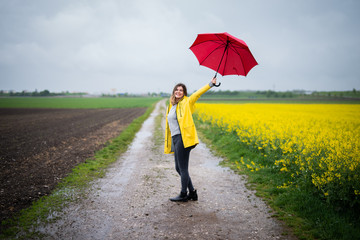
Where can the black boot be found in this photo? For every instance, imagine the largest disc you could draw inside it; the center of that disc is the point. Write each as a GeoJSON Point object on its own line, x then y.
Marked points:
{"type": "Point", "coordinates": [181, 198]}
{"type": "Point", "coordinates": [193, 195]}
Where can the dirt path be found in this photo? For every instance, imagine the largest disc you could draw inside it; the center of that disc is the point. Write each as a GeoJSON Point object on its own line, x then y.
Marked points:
{"type": "Point", "coordinates": [131, 201]}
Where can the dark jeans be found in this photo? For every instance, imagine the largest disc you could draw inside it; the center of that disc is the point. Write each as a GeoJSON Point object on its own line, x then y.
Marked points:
{"type": "Point", "coordinates": [182, 163]}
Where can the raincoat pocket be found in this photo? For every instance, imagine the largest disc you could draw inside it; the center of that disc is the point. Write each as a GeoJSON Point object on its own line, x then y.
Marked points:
{"type": "Point", "coordinates": [189, 133]}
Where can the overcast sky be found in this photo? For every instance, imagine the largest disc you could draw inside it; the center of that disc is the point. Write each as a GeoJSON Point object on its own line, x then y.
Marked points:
{"type": "Point", "coordinates": [135, 46]}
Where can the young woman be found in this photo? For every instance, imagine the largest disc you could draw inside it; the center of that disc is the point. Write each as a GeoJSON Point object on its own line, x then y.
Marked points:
{"type": "Point", "coordinates": [181, 136]}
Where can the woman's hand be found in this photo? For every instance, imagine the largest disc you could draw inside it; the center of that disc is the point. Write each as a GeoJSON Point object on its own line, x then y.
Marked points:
{"type": "Point", "coordinates": [214, 80]}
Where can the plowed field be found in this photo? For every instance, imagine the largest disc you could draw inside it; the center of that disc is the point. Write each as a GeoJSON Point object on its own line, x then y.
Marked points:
{"type": "Point", "coordinates": [39, 147]}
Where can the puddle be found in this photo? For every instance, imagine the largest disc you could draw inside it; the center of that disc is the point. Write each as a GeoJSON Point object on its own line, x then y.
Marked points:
{"type": "Point", "coordinates": [210, 162]}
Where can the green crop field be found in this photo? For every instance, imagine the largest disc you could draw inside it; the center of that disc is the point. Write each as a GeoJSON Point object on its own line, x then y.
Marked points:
{"type": "Point", "coordinates": [39, 102]}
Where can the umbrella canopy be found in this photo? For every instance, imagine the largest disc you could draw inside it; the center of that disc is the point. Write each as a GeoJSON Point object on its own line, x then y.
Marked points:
{"type": "Point", "coordinates": [223, 53]}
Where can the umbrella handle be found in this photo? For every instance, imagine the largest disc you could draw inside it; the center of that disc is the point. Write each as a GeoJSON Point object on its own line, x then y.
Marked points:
{"type": "Point", "coordinates": [217, 85]}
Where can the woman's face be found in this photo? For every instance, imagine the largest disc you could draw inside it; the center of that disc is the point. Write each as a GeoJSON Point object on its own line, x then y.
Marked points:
{"type": "Point", "coordinates": [179, 92]}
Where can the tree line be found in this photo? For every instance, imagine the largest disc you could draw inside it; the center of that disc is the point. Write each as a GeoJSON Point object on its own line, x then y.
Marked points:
{"type": "Point", "coordinates": [44, 93]}
{"type": "Point", "coordinates": [285, 94]}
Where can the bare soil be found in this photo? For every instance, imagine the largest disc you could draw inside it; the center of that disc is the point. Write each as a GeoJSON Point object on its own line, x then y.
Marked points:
{"type": "Point", "coordinates": [132, 200]}
{"type": "Point", "coordinates": [39, 147]}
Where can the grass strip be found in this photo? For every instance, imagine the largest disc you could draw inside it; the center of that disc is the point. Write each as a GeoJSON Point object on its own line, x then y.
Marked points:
{"type": "Point", "coordinates": [72, 188]}
{"type": "Point", "coordinates": [158, 133]}
{"type": "Point", "coordinates": [301, 209]}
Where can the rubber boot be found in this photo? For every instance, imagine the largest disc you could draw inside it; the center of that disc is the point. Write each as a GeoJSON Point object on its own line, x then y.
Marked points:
{"type": "Point", "coordinates": [182, 197]}
{"type": "Point", "coordinates": [193, 195]}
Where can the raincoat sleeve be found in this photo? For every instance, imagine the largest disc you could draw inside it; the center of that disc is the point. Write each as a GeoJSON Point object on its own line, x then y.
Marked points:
{"type": "Point", "coordinates": [196, 95]}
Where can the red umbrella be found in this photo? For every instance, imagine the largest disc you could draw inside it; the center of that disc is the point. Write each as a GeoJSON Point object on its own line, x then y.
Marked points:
{"type": "Point", "coordinates": [223, 53]}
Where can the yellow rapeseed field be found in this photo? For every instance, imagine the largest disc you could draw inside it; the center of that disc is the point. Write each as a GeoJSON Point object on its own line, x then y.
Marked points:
{"type": "Point", "coordinates": [317, 143]}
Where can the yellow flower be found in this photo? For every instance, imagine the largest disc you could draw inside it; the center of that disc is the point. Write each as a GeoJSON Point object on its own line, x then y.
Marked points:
{"type": "Point", "coordinates": [284, 169]}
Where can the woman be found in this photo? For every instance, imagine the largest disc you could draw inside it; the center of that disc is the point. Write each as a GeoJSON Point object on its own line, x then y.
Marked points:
{"type": "Point", "coordinates": [181, 136]}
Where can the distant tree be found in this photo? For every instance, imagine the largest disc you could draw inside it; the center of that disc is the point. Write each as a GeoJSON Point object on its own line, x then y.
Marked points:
{"type": "Point", "coordinates": [271, 93]}
{"type": "Point", "coordinates": [268, 93]}
{"type": "Point", "coordinates": [315, 93]}
{"type": "Point", "coordinates": [286, 94]}
{"type": "Point", "coordinates": [45, 93]}
{"type": "Point", "coordinates": [23, 93]}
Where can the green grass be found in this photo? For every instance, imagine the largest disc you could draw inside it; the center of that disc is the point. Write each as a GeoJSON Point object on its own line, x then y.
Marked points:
{"type": "Point", "coordinates": [300, 208]}
{"type": "Point", "coordinates": [72, 188]}
{"type": "Point", "coordinates": [52, 102]}
{"type": "Point", "coordinates": [158, 134]}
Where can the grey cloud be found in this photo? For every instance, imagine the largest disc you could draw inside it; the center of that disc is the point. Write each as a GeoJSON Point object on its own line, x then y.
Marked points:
{"type": "Point", "coordinates": [143, 46]}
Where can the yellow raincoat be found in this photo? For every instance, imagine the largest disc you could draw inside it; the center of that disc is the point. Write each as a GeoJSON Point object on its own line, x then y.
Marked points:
{"type": "Point", "coordinates": [184, 111]}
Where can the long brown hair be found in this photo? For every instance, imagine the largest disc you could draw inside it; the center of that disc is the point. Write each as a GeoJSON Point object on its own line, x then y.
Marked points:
{"type": "Point", "coordinates": [173, 100]}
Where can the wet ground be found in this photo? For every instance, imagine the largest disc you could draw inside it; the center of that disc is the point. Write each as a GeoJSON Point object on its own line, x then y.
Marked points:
{"type": "Point", "coordinates": [132, 200]}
